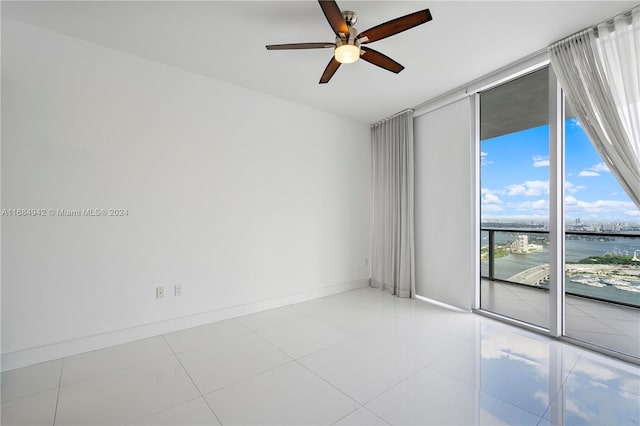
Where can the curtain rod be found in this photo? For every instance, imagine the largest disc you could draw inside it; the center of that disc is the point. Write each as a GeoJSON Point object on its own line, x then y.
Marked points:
{"type": "Point", "coordinates": [626, 13]}
{"type": "Point", "coordinates": [609, 21]}
{"type": "Point", "coordinates": [495, 77]}
{"type": "Point", "coordinates": [392, 116]}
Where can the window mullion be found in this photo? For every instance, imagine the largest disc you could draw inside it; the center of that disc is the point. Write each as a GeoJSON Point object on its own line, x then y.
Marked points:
{"type": "Point", "coordinates": [556, 210]}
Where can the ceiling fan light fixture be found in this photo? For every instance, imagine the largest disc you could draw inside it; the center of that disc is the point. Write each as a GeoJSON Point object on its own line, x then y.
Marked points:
{"type": "Point", "coordinates": [347, 53]}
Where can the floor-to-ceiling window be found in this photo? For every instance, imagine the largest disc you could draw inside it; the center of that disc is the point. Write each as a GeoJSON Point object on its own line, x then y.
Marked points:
{"type": "Point", "coordinates": [601, 247]}
{"type": "Point", "coordinates": [514, 145]}
{"type": "Point", "coordinates": [602, 250]}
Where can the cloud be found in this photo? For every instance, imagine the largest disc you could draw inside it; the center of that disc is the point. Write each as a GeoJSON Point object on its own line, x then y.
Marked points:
{"type": "Point", "coordinates": [537, 186]}
{"type": "Point", "coordinates": [530, 188]}
{"type": "Point", "coordinates": [570, 188]}
{"type": "Point", "coordinates": [491, 208]}
{"type": "Point", "coordinates": [513, 216]}
{"type": "Point", "coordinates": [569, 200]}
{"type": "Point", "coordinates": [484, 191]}
{"type": "Point", "coordinates": [537, 208]}
{"type": "Point", "coordinates": [491, 199]}
{"type": "Point", "coordinates": [610, 207]}
{"type": "Point", "coordinates": [533, 205]}
{"type": "Point", "coordinates": [594, 170]}
{"type": "Point", "coordinates": [600, 167]}
{"type": "Point", "coordinates": [573, 122]}
{"type": "Point", "coordinates": [540, 161]}
{"type": "Point", "coordinates": [516, 190]}
{"type": "Point", "coordinates": [490, 202]}
{"type": "Point", "coordinates": [483, 159]}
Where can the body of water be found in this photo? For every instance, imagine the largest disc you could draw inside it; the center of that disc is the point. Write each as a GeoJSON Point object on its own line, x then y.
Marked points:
{"type": "Point", "coordinates": [575, 250]}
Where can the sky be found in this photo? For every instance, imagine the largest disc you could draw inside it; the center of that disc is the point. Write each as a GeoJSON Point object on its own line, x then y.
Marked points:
{"type": "Point", "coordinates": [515, 179]}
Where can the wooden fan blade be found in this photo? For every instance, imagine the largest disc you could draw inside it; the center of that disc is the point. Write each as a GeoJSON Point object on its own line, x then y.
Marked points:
{"type": "Point", "coordinates": [334, 17]}
{"type": "Point", "coordinates": [299, 46]}
{"type": "Point", "coordinates": [330, 70]}
{"type": "Point", "coordinates": [383, 61]}
{"type": "Point", "coordinates": [395, 26]}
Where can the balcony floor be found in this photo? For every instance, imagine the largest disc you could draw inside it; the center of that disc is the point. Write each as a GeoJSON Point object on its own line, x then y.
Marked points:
{"type": "Point", "coordinates": [603, 324]}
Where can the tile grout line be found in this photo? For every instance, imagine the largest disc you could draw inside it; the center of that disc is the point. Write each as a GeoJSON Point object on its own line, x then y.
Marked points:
{"type": "Point", "coordinates": [348, 414]}
{"type": "Point", "coordinates": [250, 377]}
{"type": "Point", "coordinates": [552, 399]}
{"type": "Point", "coordinates": [162, 411]}
{"type": "Point", "coordinates": [596, 319]}
{"type": "Point", "coordinates": [351, 337]}
{"type": "Point", "coordinates": [264, 339]}
{"type": "Point", "coordinates": [542, 419]}
{"type": "Point", "coordinates": [208, 345]}
{"type": "Point", "coordinates": [117, 370]}
{"type": "Point", "coordinates": [317, 350]}
{"type": "Point", "coordinates": [479, 389]}
{"type": "Point", "coordinates": [396, 384]}
{"type": "Point", "coordinates": [192, 381]}
{"type": "Point", "coordinates": [30, 394]}
{"type": "Point", "coordinates": [290, 359]}
{"type": "Point", "coordinates": [55, 412]}
{"type": "Point", "coordinates": [325, 322]}
{"type": "Point", "coordinates": [264, 371]}
{"type": "Point", "coordinates": [333, 386]}
{"type": "Point", "coordinates": [363, 408]}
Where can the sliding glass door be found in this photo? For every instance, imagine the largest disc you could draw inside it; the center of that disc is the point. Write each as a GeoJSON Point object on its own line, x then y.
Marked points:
{"type": "Point", "coordinates": [514, 145]}
{"type": "Point", "coordinates": [602, 250]}
{"type": "Point", "coordinates": [598, 246]}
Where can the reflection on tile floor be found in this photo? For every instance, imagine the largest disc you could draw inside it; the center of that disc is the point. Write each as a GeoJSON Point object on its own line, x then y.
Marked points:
{"type": "Point", "coordinates": [361, 357]}
{"type": "Point", "coordinates": [606, 325]}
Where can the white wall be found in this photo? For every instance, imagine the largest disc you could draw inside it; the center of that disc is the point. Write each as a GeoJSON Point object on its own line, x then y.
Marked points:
{"type": "Point", "coordinates": [240, 197]}
{"type": "Point", "coordinates": [444, 192]}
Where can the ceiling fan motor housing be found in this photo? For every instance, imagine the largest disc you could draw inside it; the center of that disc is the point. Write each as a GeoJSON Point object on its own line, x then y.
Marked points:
{"type": "Point", "coordinates": [351, 38]}
{"type": "Point", "coordinates": [350, 17]}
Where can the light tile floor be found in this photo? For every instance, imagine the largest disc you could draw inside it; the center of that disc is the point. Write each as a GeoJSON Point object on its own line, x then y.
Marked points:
{"type": "Point", "coordinates": [602, 324]}
{"type": "Point", "coordinates": [360, 358]}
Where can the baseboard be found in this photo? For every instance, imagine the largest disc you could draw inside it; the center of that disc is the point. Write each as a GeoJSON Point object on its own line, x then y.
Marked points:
{"type": "Point", "coordinates": [53, 351]}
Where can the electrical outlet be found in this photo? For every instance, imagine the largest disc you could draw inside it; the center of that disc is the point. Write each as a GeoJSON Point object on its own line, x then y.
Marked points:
{"type": "Point", "coordinates": [159, 292]}
{"type": "Point", "coordinates": [177, 290]}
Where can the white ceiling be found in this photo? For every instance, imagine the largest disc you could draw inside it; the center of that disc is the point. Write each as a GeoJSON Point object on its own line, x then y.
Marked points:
{"type": "Point", "coordinates": [225, 40]}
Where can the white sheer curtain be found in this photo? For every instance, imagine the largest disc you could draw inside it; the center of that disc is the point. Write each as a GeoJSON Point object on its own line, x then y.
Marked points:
{"type": "Point", "coordinates": [392, 246]}
{"type": "Point", "coordinates": [599, 69]}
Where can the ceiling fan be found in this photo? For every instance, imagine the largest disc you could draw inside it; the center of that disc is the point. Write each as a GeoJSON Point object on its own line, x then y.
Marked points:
{"type": "Point", "coordinates": [348, 45]}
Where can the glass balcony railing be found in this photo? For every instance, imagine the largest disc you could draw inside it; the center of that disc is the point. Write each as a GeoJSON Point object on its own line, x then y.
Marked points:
{"type": "Point", "coordinates": [598, 265]}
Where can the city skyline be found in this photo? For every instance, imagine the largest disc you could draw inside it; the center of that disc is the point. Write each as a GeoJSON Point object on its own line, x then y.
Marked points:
{"type": "Point", "coordinates": [515, 179]}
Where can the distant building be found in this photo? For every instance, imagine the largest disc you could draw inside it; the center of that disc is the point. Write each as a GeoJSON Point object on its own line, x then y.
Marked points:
{"type": "Point", "coordinates": [610, 227]}
{"type": "Point", "coordinates": [521, 245]}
